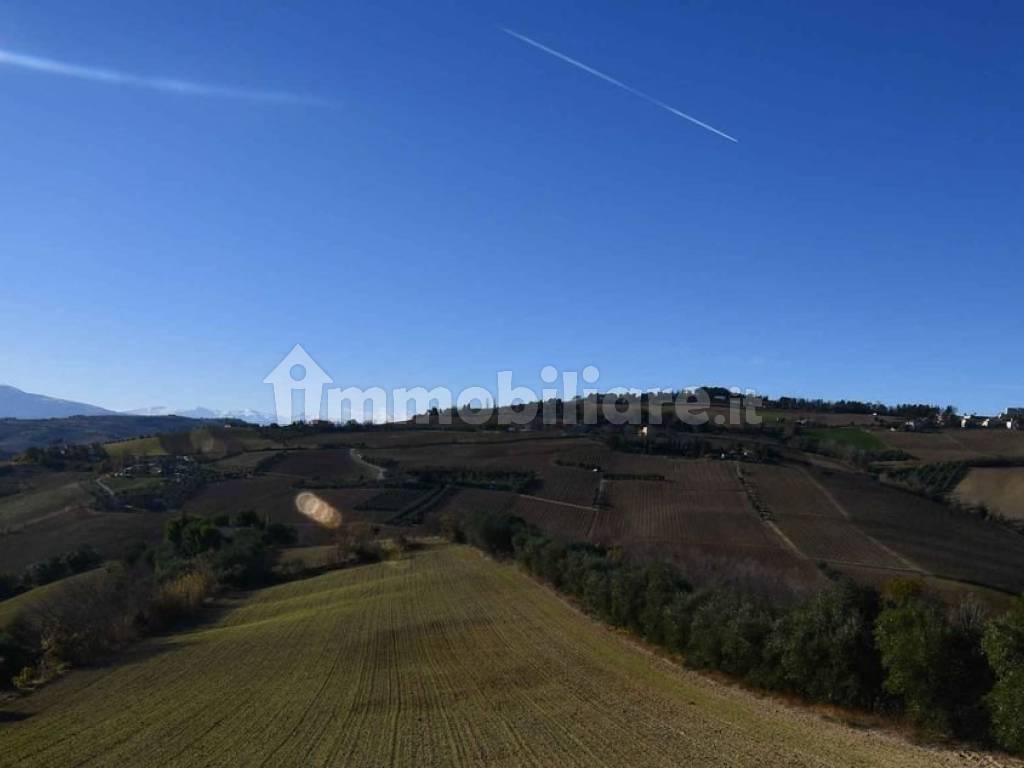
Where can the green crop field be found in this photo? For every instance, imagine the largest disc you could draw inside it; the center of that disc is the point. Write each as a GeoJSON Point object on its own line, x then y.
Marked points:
{"type": "Point", "coordinates": [443, 658]}
{"type": "Point", "coordinates": [851, 436]}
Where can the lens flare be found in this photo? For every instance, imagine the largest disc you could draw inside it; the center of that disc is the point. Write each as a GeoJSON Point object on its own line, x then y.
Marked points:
{"type": "Point", "coordinates": [317, 510]}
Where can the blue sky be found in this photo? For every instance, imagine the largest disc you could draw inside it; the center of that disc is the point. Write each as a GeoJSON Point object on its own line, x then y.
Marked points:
{"type": "Point", "coordinates": [468, 203]}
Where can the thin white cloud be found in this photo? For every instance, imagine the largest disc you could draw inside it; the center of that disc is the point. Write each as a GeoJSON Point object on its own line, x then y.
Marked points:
{"type": "Point", "coordinates": [618, 83]}
{"type": "Point", "coordinates": [167, 85]}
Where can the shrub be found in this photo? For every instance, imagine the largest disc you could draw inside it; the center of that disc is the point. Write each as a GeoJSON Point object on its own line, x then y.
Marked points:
{"type": "Point", "coordinates": [678, 618]}
{"type": "Point", "coordinates": [728, 633]}
{"type": "Point", "coordinates": [10, 585]}
{"type": "Point", "coordinates": [85, 620]}
{"type": "Point", "coordinates": [626, 597]}
{"type": "Point", "coordinates": [13, 658]}
{"type": "Point", "coordinates": [180, 599]}
{"type": "Point", "coordinates": [662, 584]}
{"type": "Point", "coordinates": [1003, 644]}
{"type": "Point", "coordinates": [824, 648]}
{"type": "Point", "coordinates": [280, 535]}
{"type": "Point", "coordinates": [935, 666]}
{"type": "Point", "coordinates": [243, 562]}
{"type": "Point", "coordinates": [192, 536]}
{"type": "Point", "coordinates": [247, 519]}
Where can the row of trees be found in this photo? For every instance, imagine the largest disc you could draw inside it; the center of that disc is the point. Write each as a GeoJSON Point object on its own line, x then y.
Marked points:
{"type": "Point", "coordinates": [899, 651]}
{"type": "Point", "coordinates": [902, 410]}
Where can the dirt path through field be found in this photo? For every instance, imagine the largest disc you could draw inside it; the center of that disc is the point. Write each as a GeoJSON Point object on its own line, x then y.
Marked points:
{"type": "Point", "coordinates": [379, 473]}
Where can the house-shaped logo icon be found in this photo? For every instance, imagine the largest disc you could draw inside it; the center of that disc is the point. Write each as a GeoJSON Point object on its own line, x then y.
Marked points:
{"type": "Point", "coordinates": [298, 372]}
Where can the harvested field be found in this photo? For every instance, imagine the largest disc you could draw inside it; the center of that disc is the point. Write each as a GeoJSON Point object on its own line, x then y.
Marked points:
{"type": "Point", "coordinates": [334, 465]}
{"type": "Point", "coordinates": [568, 484]}
{"type": "Point", "coordinates": [669, 512]}
{"type": "Point", "coordinates": [47, 495]}
{"type": "Point", "coordinates": [942, 541]}
{"type": "Point", "coordinates": [465, 501]}
{"type": "Point", "coordinates": [244, 462]}
{"type": "Point", "coordinates": [443, 658]}
{"type": "Point", "coordinates": [558, 519]}
{"type": "Point", "coordinates": [520, 455]}
{"type": "Point", "coordinates": [957, 444]}
{"type": "Point", "coordinates": [704, 475]}
{"type": "Point", "coordinates": [1000, 490]}
{"type": "Point", "coordinates": [392, 500]}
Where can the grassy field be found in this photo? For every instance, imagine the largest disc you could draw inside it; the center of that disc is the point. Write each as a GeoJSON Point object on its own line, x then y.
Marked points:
{"type": "Point", "coordinates": [15, 606]}
{"type": "Point", "coordinates": [140, 446]}
{"type": "Point", "coordinates": [851, 436]}
{"type": "Point", "coordinates": [442, 659]}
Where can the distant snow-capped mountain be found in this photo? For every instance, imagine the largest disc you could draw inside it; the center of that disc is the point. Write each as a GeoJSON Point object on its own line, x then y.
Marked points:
{"type": "Point", "coordinates": [199, 412]}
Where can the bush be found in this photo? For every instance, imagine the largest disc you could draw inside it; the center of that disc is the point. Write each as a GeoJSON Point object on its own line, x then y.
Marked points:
{"type": "Point", "coordinates": [824, 648]}
{"type": "Point", "coordinates": [85, 620]}
{"type": "Point", "coordinates": [662, 584]}
{"type": "Point", "coordinates": [13, 658]}
{"type": "Point", "coordinates": [935, 666]}
{"type": "Point", "coordinates": [728, 633]}
{"type": "Point", "coordinates": [1003, 643]}
{"type": "Point", "coordinates": [10, 585]}
{"type": "Point", "coordinates": [243, 562]}
{"type": "Point", "coordinates": [192, 536]}
{"type": "Point", "coordinates": [280, 535]}
{"type": "Point", "coordinates": [180, 599]}
{"type": "Point", "coordinates": [247, 519]}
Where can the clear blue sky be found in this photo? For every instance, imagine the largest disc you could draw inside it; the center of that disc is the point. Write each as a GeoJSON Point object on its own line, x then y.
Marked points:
{"type": "Point", "coordinates": [469, 203]}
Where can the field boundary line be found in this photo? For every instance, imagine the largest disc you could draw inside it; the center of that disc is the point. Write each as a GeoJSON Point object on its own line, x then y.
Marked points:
{"type": "Point", "coordinates": [911, 565]}
{"type": "Point", "coordinates": [555, 501]}
{"type": "Point", "coordinates": [785, 539]}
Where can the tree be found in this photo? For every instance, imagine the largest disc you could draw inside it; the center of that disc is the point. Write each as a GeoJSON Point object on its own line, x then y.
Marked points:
{"type": "Point", "coordinates": [192, 536]}
{"type": "Point", "coordinates": [824, 648]}
{"type": "Point", "coordinates": [728, 633]}
{"type": "Point", "coordinates": [1003, 643]}
{"type": "Point", "coordinates": [662, 584]}
{"type": "Point", "coordinates": [934, 665]}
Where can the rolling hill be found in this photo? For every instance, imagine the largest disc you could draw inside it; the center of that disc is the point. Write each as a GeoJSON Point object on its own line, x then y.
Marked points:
{"type": "Point", "coordinates": [442, 658]}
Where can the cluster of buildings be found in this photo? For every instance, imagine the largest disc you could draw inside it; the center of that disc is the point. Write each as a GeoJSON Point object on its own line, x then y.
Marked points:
{"type": "Point", "coordinates": [1011, 418]}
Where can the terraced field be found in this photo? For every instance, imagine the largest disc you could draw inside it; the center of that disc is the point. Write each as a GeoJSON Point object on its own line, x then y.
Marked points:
{"type": "Point", "coordinates": [442, 659]}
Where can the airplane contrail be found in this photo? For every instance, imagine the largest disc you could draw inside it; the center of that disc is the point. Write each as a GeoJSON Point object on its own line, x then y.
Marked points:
{"type": "Point", "coordinates": [619, 83]}
{"type": "Point", "coordinates": [168, 85]}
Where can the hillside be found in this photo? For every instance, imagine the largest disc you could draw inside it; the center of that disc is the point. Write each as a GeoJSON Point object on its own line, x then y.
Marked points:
{"type": "Point", "coordinates": [18, 434]}
{"type": "Point", "coordinates": [444, 658]}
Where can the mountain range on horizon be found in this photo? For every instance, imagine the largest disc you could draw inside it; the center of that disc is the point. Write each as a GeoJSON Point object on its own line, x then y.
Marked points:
{"type": "Point", "coordinates": [18, 404]}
